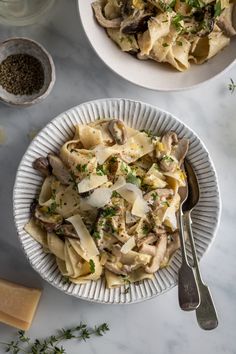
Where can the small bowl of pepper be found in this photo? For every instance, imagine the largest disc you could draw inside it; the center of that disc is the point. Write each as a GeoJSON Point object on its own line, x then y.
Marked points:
{"type": "Point", "coordinates": [27, 72]}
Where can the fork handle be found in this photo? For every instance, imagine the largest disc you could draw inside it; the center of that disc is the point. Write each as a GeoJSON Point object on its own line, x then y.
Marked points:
{"type": "Point", "coordinates": [187, 286]}
{"type": "Point", "coordinates": [206, 311]}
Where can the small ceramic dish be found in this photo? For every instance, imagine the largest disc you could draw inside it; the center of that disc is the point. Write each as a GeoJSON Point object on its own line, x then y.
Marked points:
{"type": "Point", "coordinates": [27, 46]}
{"type": "Point", "coordinates": [140, 116]}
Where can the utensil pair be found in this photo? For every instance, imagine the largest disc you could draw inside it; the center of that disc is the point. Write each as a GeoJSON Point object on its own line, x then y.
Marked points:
{"type": "Point", "coordinates": [193, 293]}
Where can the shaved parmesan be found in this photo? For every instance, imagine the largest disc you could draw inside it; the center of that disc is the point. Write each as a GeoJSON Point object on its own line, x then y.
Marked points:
{"type": "Point", "coordinates": [130, 192]}
{"type": "Point", "coordinates": [100, 197]}
{"type": "Point", "coordinates": [91, 182]}
{"type": "Point", "coordinates": [128, 245]}
{"type": "Point", "coordinates": [136, 147]}
{"type": "Point", "coordinates": [103, 153]}
{"type": "Point", "coordinates": [120, 182]}
{"type": "Point", "coordinates": [170, 218]}
{"type": "Point", "coordinates": [140, 207]}
{"type": "Point", "coordinates": [86, 240]}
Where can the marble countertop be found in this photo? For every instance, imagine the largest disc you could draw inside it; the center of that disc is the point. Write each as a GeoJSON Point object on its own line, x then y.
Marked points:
{"type": "Point", "coordinates": [158, 325]}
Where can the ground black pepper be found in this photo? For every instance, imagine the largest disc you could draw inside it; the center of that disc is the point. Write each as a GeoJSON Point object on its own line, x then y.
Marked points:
{"type": "Point", "coordinates": [21, 74]}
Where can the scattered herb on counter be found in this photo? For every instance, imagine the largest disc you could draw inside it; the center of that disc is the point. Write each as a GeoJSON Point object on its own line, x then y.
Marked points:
{"type": "Point", "coordinates": [21, 74]}
{"type": "Point", "coordinates": [232, 86]}
{"type": "Point", "coordinates": [50, 345]}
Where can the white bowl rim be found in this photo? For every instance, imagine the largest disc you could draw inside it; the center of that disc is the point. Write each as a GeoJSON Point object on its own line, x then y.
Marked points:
{"type": "Point", "coordinates": [177, 89]}
{"type": "Point", "coordinates": [115, 100]}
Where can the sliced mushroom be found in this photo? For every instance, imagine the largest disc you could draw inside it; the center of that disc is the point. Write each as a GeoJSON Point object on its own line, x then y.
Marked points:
{"type": "Point", "coordinates": [103, 21]}
{"type": "Point", "coordinates": [168, 140]}
{"type": "Point", "coordinates": [172, 246]}
{"type": "Point", "coordinates": [49, 222]}
{"type": "Point", "coordinates": [136, 23]}
{"type": "Point", "coordinates": [180, 151]}
{"type": "Point", "coordinates": [33, 206]}
{"type": "Point", "coordinates": [42, 165]}
{"type": "Point", "coordinates": [118, 131]}
{"type": "Point", "coordinates": [114, 268]}
{"type": "Point", "coordinates": [67, 230]}
{"type": "Point", "coordinates": [226, 20]}
{"type": "Point", "coordinates": [59, 169]}
{"type": "Point", "coordinates": [148, 249]}
{"type": "Point", "coordinates": [160, 247]}
{"type": "Point", "coordinates": [205, 19]}
{"type": "Point", "coordinates": [168, 163]}
{"type": "Point", "coordinates": [150, 238]}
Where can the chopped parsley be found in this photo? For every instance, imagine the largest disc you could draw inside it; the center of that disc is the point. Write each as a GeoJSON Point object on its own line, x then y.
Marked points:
{"type": "Point", "coordinates": [100, 170]}
{"type": "Point", "coordinates": [108, 212]}
{"type": "Point", "coordinates": [179, 43]}
{"type": "Point", "coordinates": [82, 168]}
{"type": "Point", "coordinates": [165, 45]}
{"type": "Point", "coordinates": [96, 235]}
{"type": "Point", "coordinates": [145, 229]}
{"type": "Point", "coordinates": [131, 178]}
{"type": "Point", "coordinates": [194, 3]}
{"type": "Point", "coordinates": [217, 8]}
{"type": "Point", "coordinates": [167, 7]}
{"type": "Point", "coordinates": [154, 195]}
{"type": "Point", "coordinates": [124, 167]}
{"type": "Point", "coordinates": [73, 179]}
{"type": "Point", "coordinates": [126, 283]}
{"type": "Point", "coordinates": [176, 21]}
{"type": "Point", "coordinates": [167, 158]}
{"type": "Point", "coordinates": [92, 266]}
{"type": "Point", "coordinates": [166, 203]}
{"type": "Point", "coordinates": [52, 208]}
{"type": "Point", "coordinates": [115, 194]}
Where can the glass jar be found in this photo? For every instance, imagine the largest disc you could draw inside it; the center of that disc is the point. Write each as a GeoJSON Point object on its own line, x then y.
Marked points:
{"type": "Point", "coordinates": [23, 12]}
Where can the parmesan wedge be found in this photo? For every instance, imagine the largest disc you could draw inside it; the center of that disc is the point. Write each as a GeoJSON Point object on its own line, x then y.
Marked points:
{"type": "Point", "coordinates": [140, 207]}
{"type": "Point", "coordinates": [17, 304]}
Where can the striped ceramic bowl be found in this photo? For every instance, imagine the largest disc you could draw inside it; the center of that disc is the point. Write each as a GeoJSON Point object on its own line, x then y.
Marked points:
{"type": "Point", "coordinates": [140, 116]}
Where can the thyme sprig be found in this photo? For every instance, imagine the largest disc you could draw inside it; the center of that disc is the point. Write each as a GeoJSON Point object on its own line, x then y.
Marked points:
{"type": "Point", "coordinates": [51, 345]}
{"type": "Point", "coordinates": [232, 86]}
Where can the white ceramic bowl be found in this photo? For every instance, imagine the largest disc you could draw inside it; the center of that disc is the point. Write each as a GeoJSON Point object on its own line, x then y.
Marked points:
{"type": "Point", "coordinates": [147, 73]}
{"type": "Point", "coordinates": [140, 116]}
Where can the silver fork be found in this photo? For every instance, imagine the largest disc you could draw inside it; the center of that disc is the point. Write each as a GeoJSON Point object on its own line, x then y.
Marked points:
{"type": "Point", "coordinates": [206, 312]}
{"type": "Point", "coordinates": [188, 290]}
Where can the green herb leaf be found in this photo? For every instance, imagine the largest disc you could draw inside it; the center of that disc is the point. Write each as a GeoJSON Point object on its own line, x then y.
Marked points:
{"type": "Point", "coordinates": [165, 45]}
{"type": "Point", "coordinates": [232, 86]}
{"type": "Point", "coordinates": [167, 158]}
{"type": "Point", "coordinates": [108, 212]}
{"type": "Point", "coordinates": [176, 21]}
{"type": "Point", "coordinates": [218, 9]}
{"type": "Point", "coordinates": [52, 208]}
{"type": "Point", "coordinates": [131, 178]}
{"type": "Point", "coordinates": [96, 235]}
{"type": "Point", "coordinates": [50, 345]}
{"type": "Point", "coordinates": [100, 170]}
{"type": "Point", "coordinates": [179, 43]}
{"type": "Point", "coordinates": [82, 168]}
{"type": "Point", "coordinates": [92, 266]}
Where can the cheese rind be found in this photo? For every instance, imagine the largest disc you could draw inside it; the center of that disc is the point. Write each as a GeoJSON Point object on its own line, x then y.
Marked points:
{"type": "Point", "coordinates": [17, 304]}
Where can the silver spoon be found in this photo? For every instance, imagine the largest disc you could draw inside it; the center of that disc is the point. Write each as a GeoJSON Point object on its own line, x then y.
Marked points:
{"type": "Point", "coordinates": [187, 286]}
{"type": "Point", "coordinates": [206, 312]}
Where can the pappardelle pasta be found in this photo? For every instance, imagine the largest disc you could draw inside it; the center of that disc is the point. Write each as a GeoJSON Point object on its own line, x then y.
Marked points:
{"type": "Point", "coordinates": [108, 203]}
{"type": "Point", "coordinates": [177, 32]}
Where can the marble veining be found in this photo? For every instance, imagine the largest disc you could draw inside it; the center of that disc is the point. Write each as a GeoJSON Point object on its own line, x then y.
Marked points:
{"type": "Point", "coordinates": [158, 325]}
